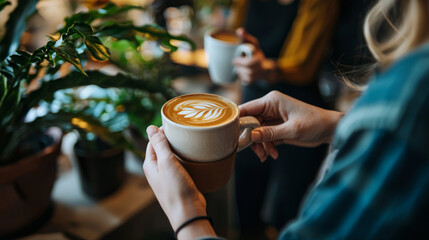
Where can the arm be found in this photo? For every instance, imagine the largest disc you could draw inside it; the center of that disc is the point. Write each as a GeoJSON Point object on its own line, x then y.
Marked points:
{"type": "Point", "coordinates": [377, 187]}
{"type": "Point", "coordinates": [286, 120]}
{"type": "Point", "coordinates": [303, 51]}
{"type": "Point", "coordinates": [174, 188]}
{"type": "Point", "coordinates": [307, 43]}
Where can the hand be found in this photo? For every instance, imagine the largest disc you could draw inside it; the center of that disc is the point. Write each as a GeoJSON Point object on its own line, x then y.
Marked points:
{"type": "Point", "coordinates": [288, 120]}
{"type": "Point", "coordinates": [251, 69]}
{"type": "Point", "coordinates": [173, 187]}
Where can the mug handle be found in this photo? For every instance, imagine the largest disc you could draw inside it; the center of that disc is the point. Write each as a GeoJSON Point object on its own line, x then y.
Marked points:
{"type": "Point", "coordinates": [247, 124]}
{"type": "Point", "coordinates": [244, 50]}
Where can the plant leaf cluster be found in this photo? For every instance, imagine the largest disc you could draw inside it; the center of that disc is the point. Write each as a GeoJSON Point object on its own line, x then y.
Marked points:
{"type": "Point", "coordinates": [30, 99]}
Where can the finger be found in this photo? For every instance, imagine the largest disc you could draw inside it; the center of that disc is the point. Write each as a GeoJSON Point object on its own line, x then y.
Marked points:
{"type": "Point", "coordinates": [259, 150]}
{"type": "Point", "coordinates": [160, 144]}
{"type": "Point", "coordinates": [270, 133]}
{"type": "Point", "coordinates": [150, 164]}
{"type": "Point", "coordinates": [249, 62]}
{"type": "Point", "coordinates": [296, 142]}
{"type": "Point", "coordinates": [244, 76]}
{"type": "Point", "coordinates": [246, 37]}
{"type": "Point", "coordinates": [243, 70]}
{"type": "Point", "coordinates": [252, 108]}
{"type": "Point", "coordinates": [245, 79]}
{"type": "Point", "coordinates": [278, 142]}
{"type": "Point", "coordinates": [271, 149]}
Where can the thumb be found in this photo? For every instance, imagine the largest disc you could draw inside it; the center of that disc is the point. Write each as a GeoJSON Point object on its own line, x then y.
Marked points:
{"type": "Point", "coordinates": [246, 37]}
{"type": "Point", "coordinates": [270, 133]}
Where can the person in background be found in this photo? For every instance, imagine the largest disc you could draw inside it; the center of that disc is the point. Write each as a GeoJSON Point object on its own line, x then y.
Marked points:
{"type": "Point", "coordinates": [375, 183]}
{"type": "Point", "coordinates": [291, 39]}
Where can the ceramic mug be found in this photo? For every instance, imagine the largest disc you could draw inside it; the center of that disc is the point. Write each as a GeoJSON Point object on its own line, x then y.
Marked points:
{"type": "Point", "coordinates": [221, 47]}
{"type": "Point", "coordinates": [205, 132]}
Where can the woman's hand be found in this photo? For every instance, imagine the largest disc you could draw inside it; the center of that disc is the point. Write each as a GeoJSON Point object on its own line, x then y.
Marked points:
{"type": "Point", "coordinates": [288, 120]}
{"type": "Point", "coordinates": [251, 69]}
{"type": "Point", "coordinates": [174, 188]}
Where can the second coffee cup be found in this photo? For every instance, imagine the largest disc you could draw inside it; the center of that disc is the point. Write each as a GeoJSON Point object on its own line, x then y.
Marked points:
{"type": "Point", "coordinates": [205, 132]}
{"type": "Point", "coordinates": [221, 47]}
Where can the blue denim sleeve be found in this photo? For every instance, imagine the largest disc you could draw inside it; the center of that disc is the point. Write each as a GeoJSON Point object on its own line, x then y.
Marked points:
{"type": "Point", "coordinates": [376, 185]}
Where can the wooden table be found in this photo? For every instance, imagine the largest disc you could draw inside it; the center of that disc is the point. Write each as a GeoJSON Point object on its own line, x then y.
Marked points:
{"type": "Point", "coordinates": [130, 213]}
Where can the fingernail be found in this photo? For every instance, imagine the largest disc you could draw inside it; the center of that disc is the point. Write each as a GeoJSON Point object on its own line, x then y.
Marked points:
{"type": "Point", "coordinates": [256, 136]}
{"type": "Point", "coordinates": [151, 130]}
{"type": "Point", "coordinates": [264, 158]}
{"type": "Point", "coordinates": [262, 154]}
{"type": "Point", "coordinates": [274, 155]}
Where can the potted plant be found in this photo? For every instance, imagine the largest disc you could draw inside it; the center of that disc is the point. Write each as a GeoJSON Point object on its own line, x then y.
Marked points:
{"type": "Point", "coordinates": [30, 102]}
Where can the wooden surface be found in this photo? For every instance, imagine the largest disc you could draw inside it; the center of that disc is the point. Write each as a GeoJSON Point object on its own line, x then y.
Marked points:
{"type": "Point", "coordinates": [130, 213]}
{"type": "Point", "coordinates": [76, 216]}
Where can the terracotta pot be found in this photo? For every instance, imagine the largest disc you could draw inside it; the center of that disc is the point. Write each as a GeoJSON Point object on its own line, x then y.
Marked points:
{"type": "Point", "coordinates": [25, 191]}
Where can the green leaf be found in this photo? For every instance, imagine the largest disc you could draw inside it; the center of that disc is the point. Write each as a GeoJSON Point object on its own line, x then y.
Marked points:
{"type": "Point", "coordinates": [21, 58]}
{"type": "Point", "coordinates": [88, 17]}
{"type": "Point", "coordinates": [140, 40]}
{"type": "Point", "coordinates": [89, 124]}
{"type": "Point", "coordinates": [97, 49]}
{"type": "Point", "coordinates": [69, 54]}
{"type": "Point", "coordinates": [9, 106]}
{"type": "Point", "coordinates": [151, 32]}
{"type": "Point", "coordinates": [166, 43]}
{"type": "Point", "coordinates": [75, 79]}
{"type": "Point", "coordinates": [15, 26]}
{"type": "Point", "coordinates": [116, 30]}
{"type": "Point", "coordinates": [66, 121]}
{"type": "Point", "coordinates": [3, 89]}
{"type": "Point", "coordinates": [83, 29]}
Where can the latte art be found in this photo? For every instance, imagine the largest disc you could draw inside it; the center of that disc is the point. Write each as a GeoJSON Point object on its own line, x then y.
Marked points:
{"type": "Point", "coordinates": [200, 110]}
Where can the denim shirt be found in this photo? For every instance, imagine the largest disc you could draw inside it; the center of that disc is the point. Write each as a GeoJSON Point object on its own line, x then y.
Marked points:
{"type": "Point", "coordinates": [378, 184]}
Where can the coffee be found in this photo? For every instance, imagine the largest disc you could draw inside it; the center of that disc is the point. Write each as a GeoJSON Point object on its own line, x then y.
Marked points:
{"type": "Point", "coordinates": [203, 131]}
{"type": "Point", "coordinates": [200, 110]}
{"type": "Point", "coordinates": [226, 36]}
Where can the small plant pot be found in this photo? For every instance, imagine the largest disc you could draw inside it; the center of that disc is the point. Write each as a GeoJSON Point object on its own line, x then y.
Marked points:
{"type": "Point", "coordinates": [103, 173]}
{"type": "Point", "coordinates": [25, 191]}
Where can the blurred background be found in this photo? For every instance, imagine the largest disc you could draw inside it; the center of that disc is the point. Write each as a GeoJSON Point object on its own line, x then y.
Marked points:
{"type": "Point", "coordinates": [89, 202]}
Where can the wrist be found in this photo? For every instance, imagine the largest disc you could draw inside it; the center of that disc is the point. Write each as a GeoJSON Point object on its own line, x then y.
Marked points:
{"type": "Point", "coordinates": [331, 118]}
{"type": "Point", "coordinates": [271, 71]}
{"type": "Point", "coordinates": [184, 211]}
{"type": "Point", "coordinates": [196, 227]}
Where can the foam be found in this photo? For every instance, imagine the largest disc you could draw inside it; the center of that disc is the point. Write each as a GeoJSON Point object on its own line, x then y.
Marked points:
{"type": "Point", "coordinates": [200, 110]}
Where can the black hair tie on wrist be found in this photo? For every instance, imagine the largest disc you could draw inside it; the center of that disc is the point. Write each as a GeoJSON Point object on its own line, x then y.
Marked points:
{"type": "Point", "coordinates": [192, 220]}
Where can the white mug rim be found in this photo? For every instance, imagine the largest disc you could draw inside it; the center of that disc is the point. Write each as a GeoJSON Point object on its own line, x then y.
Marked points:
{"type": "Point", "coordinates": [202, 128]}
{"type": "Point", "coordinates": [211, 31]}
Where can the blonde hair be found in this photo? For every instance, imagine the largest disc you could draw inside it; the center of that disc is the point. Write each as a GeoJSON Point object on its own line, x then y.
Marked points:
{"type": "Point", "coordinates": [393, 28]}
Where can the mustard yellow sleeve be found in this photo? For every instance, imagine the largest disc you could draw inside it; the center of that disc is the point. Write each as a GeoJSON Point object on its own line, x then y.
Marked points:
{"type": "Point", "coordinates": [307, 42]}
{"type": "Point", "coordinates": [238, 13]}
